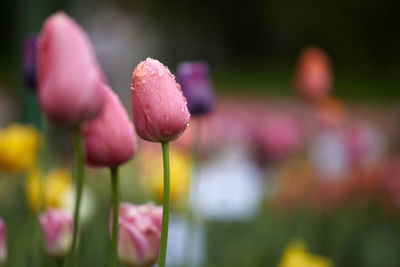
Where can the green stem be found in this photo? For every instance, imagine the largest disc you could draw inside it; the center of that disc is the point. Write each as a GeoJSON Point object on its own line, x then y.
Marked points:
{"type": "Point", "coordinates": [60, 262]}
{"type": "Point", "coordinates": [35, 249]}
{"type": "Point", "coordinates": [165, 219]}
{"type": "Point", "coordinates": [79, 169]}
{"type": "Point", "coordinates": [45, 143]}
{"type": "Point", "coordinates": [44, 168]}
{"type": "Point", "coordinates": [115, 202]}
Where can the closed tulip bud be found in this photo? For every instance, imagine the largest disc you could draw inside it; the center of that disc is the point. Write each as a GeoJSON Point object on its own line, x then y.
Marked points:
{"type": "Point", "coordinates": [160, 113]}
{"type": "Point", "coordinates": [69, 76]}
{"type": "Point", "coordinates": [139, 234]}
{"type": "Point", "coordinates": [3, 242]}
{"type": "Point", "coordinates": [57, 228]}
{"type": "Point", "coordinates": [110, 137]}
{"type": "Point", "coordinates": [29, 62]}
{"type": "Point", "coordinates": [196, 86]}
{"type": "Point", "coordinates": [314, 74]}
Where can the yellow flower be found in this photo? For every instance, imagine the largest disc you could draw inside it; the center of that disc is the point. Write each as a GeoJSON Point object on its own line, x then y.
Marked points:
{"type": "Point", "coordinates": [180, 173]}
{"type": "Point", "coordinates": [18, 147]}
{"type": "Point", "coordinates": [296, 255]}
{"type": "Point", "coordinates": [57, 185]}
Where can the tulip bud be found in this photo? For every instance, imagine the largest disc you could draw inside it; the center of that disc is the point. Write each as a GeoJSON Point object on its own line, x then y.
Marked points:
{"type": "Point", "coordinates": [29, 61]}
{"type": "Point", "coordinates": [69, 76]}
{"type": "Point", "coordinates": [160, 113]}
{"type": "Point", "coordinates": [57, 228]}
{"type": "Point", "coordinates": [3, 242]}
{"type": "Point", "coordinates": [196, 86]}
{"type": "Point", "coordinates": [139, 234]}
{"type": "Point", "coordinates": [314, 73]}
{"type": "Point", "coordinates": [109, 138]}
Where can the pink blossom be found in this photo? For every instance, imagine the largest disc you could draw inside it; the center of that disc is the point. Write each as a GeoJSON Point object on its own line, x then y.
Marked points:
{"type": "Point", "coordinates": [69, 76]}
{"type": "Point", "coordinates": [139, 233]}
{"type": "Point", "coordinates": [57, 228]}
{"type": "Point", "coordinates": [160, 113]}
{"type": "Point", "coordinates": [110, 138]}
{"type": "Point", "coordinates": [3, 242]}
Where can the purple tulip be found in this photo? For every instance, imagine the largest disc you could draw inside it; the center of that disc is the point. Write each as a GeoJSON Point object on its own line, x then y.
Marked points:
{"type": "Point", "coordinates": [29, 61]}
{"type": "Point", "coordinates": [3, 242]}
{"type": "Point", "coordinates": [196, 86]}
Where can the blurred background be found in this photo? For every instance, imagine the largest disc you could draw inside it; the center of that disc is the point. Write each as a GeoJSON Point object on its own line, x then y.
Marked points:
{"type": "Point", "coordinates": [280, 180]}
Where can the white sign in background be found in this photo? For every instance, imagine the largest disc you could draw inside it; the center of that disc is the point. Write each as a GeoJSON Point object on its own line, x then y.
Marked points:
{"type": "Point", "coordinates": [229, 188]}
{"type": "Point", "coordinates": [177, 243]}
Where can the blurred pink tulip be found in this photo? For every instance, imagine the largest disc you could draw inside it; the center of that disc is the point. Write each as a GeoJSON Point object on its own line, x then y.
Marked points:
{"type": "Point", "coordinates": [160, 113]}
{"type": "Point", "coordinates": [68, 72]}
{"type": "Point", "coordinates": [314, 73]}
{"type": "Point", "coordinates": [3, 243]}
{"type": "Point", "coordinates": [139, 234]}
{"type": "Point", "coordinates": [109, 138]}
{"type": "Point", "coordinates": [391, 182]}
{"type": "Point", "coordinates": [278, 136]}
{"type": "Point", "coordinates": [57, 228]}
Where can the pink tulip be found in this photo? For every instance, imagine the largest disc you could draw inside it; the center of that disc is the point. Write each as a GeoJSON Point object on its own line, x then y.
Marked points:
{"type": "Point", "coordinates": [278, 136]}
{"type": "Point", "coordinates": [139, 234]}
{"type": "Point", "coordinates": [69, 76]}
{"type": "Point", "coordinates": [160, 113]}
{"type": "Point", "coordinates": [57, 228]}
{"type": "Point", "coordinates": [109, 138]}
{"type": "Point", "coordinates": [3, 242]}
{"type": "Point", "coordinates": [314, 73]}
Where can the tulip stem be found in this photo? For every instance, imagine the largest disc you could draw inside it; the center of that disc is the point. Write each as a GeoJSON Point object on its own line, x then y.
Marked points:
{"type": "Point", "coordinates": [45, 156]}
{"type": "Point", "coordinates": [115, 200]}
{"type": "Point", "coordinates": [165, 218]}
{"type": "Point", "coordinates": [60, 262]}
{"type": "Point", "coordinates": [79, 172]}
